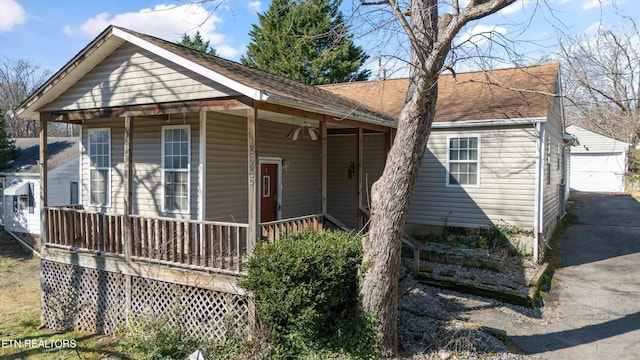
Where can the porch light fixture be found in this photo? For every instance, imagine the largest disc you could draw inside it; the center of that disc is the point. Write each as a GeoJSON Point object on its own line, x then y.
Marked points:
{"type": "Point", "coordinates": [305, 130]}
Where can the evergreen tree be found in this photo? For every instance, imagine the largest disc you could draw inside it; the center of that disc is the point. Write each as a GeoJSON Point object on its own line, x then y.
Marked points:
{"type": "Point", "coordinates": [197, 43]}
{"type": "Point", "coordinates": [8, 150]}
{"type": "Point", "coordinates": [306, 41]}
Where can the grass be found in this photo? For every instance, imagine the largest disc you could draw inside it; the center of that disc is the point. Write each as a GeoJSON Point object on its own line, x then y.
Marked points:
{"type": "Point", "coordinates": [20, 336]}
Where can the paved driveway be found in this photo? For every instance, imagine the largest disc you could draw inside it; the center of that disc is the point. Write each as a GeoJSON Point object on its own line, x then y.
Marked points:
{"type": "Point", "coordinates": [593, 310]}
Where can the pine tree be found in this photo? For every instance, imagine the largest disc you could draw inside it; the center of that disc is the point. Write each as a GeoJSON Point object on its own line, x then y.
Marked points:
{"type": "Point", "coordinates": [8, 150]}
{"type": "Point", "coordinates": [306, 41]}
{"type": "Point", "coordinates": [197, 43]}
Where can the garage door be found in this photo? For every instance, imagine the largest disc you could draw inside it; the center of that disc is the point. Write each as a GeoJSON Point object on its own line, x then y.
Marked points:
{"type": "Point", "coordinates": [597, 172]}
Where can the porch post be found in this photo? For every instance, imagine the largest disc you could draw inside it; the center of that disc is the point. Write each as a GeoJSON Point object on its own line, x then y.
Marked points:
{"type": "Point", "coordinates": [323, 167]}
{"type": "Point", "coordinates": [252, 232]}
{"type": "Point", "coordinates": [44, 223]}
{"type": "Point", "coordinates": [127, 174]}
{"type": "Point", "coordinates": [359, 161]}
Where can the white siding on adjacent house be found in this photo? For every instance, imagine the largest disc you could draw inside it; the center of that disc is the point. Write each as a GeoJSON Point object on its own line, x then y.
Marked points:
{"type": "Point", "coordinates": [23, 221]}
{"type": "Point", "coordinates": [507, 181]}
{"type": "Point", "coordinates": [59, 183]}
{"type": "Point", "coordinates": [133, 76]}
{"type": "Point", "coordinates": [598, 163]}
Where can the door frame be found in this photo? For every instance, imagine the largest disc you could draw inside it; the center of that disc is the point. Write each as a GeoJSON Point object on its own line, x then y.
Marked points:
{"type": "Point", "coordinates": [273, 161]}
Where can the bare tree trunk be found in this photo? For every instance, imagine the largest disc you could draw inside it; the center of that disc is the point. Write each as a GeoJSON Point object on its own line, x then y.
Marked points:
{"type": "Point", "coordinates": [430, 39]}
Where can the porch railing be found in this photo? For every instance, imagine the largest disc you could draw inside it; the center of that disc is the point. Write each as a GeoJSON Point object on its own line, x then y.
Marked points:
{"type": "Point", "coordinates": [209, 244]}
{"type": "Point", "coordinates": [273, 230]}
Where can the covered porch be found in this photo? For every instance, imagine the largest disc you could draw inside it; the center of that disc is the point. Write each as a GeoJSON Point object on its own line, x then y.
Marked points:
{"type": "Point", "coordinates": [232, 202]}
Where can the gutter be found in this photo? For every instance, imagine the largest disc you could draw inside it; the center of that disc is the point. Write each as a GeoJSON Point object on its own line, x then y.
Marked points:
{"type": "Point", "coordinates": [489, 122]}
{"type": "Point", "coordinates": [538, 203]}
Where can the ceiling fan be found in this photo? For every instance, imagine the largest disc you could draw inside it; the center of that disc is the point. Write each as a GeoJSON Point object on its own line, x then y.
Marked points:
{"type": "Point", "coordinates": [306, 130]}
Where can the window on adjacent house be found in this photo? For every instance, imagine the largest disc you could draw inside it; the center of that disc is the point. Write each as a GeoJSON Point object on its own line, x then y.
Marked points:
{"type": "Point", "coordinates": [463, 161]}
{"type": "Point", "coordinates": [99, 167]}
{"type": "Point", "coordinates": [73, 192]}
{"type": "Point", "coordinates": [175, 168]}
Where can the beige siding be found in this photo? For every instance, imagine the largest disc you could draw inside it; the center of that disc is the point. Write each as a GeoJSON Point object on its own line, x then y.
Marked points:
{"type": "Point", "coordinates": [301, 167]}
{"type": "Point", "coordinates": [506, 193]}
{"type": "Point", "coordinates": [226, 164]}
{"type": "Point", "coordinates": [341, 190]}
{"type": "Point", "coordinates": [133, 76]}
{"type": "Point", "coordinates": [147, 165]}
{"type": "Point", "coordinates": [552, 196]}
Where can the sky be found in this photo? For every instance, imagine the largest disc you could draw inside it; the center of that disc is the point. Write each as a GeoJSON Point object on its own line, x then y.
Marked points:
{"type": "Point", "coordinates": [50, 33]}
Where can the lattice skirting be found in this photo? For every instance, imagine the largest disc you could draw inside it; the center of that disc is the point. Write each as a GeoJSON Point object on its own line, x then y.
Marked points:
{"type": "Point", "coordinates": [92, 300]}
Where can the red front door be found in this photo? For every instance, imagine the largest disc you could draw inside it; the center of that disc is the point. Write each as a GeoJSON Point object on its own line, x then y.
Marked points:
{"type": "Point", "coordinates": [268, 192]}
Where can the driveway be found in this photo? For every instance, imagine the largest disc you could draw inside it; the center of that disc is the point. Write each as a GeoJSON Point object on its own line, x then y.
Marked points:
{"type": "Point", "coordinates": [593, 309]}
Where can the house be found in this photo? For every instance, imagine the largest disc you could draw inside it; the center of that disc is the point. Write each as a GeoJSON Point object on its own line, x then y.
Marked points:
{"type": "Point", "coordinates": [186, 160]}
{"type": "Point", "coordinates": [497, 154]}
{"type": "Point", "coordinates": [20, 212]}
{"type": "Point", "coordinates": [599, 163]}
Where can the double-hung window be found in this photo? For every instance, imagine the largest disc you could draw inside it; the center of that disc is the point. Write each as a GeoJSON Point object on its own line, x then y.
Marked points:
{"type": "Point", "coordinates": [463, 161]}
{"type": "Point", "coordinates": [99, 167]}
{"type": "Point", "coordinates": [176, 146]}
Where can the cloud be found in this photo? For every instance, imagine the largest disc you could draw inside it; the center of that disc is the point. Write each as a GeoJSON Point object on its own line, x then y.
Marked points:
{"type": "Point", "coordinates": [167, 22]}
{"type": "Point", "coordinates": [11, 15]}
{"type": "Point", "coordinates": [480, 34]}
{"type": "Point", "coordinates": [591, 4]}
{"type": "Point", "coordinates": [254, 6]}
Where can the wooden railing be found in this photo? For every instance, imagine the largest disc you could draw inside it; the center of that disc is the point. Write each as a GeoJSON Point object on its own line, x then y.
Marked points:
{"type": "Point", "coordinates": [209, 244]}
{"type": "Point", "coordinates": [273, 230]}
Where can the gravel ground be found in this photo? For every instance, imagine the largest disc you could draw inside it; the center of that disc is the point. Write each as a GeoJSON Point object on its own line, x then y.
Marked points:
{"type": "Point", "coordinates": [431, 324]}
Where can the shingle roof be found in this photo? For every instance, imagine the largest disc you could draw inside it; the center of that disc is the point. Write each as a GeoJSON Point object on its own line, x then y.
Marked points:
{"type": "Point", "coordinates": [59, 149]}
{"type": "Point", "coordinates": [467, 96]}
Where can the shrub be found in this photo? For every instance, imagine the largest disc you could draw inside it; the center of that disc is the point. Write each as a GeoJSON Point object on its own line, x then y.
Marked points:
{"type": "Point", "coordinates": [306, 292]}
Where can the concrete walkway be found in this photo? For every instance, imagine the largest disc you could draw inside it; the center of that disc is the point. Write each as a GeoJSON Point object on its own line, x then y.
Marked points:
{"type": "Point", "coordinates": [593, 309]}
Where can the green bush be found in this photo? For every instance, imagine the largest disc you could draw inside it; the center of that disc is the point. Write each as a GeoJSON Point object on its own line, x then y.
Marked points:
{"type": "Point", "coordinates": [306, 292]}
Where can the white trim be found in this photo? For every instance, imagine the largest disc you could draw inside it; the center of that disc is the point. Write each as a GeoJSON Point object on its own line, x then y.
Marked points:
{"type": "Point", "coordinates": [188, 170]}
{"type": "Point", "coordinates": [449, 137]}
{"type": "Point", "coordinates": [489, 122]}
{"type": "Point", "coordinates": [202, 167]}
{"type": "Point", "coordinates": [278, 162]}
{"type": "Point", "coordinates": [253, 93]}
{"type": "Point", "coordinates": [108, 180]}
{"type": "Point", "coordinates": [538, 201]}
{"type": "Point", "coordinates": [80, 166]}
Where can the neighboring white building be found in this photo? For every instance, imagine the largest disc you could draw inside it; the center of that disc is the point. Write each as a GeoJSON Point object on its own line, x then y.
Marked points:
{"type": "Point", "coordinates": [599, 163]}
{"type": "Point", "coordinates": [20, 210]}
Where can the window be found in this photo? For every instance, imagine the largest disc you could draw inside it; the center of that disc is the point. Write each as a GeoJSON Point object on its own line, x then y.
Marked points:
{"type": "Point", "coordinates": [464, 161]}
{"type": "Point", "coordinates": [73, 192]}
{"type": "Point", "coordinates": [548, 163]}
{"type": "Point", "coordinates": [99, 167]}
{"type": "Point", "coordinates": [176, 159]}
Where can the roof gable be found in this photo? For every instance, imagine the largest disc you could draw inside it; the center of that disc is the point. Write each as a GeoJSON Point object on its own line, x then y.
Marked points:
{"type": "Point", "coordinates": [592, 142]}
{"type": "Point", "coordinates": [524, 92]}
{"type": "Point", "coordinates": [252, 83]}
{"type": "Point", "coordinates": [131, 75]}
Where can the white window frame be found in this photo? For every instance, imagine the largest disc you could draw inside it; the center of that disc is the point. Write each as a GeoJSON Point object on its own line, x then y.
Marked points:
{"type": "Point", "coordinates": [187, 170]}
{"type": "Point", "coordinates": [449, 161]}
{"type": "Point", "coordinates": [91, 168]}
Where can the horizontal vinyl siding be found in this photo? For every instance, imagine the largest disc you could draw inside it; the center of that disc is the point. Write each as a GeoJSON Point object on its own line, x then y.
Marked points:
{"type": "Point", "coordinates": [301, 167]}
{"type": "Point", "coordinates": [147, 165]}
{"type": "Point", "coordinates": [23, 221]}
{"type": "Point", "coordinates": [133, 76]}
{"type": "Point", "coordinates": [226, 178]}
{"type": "Point", "coordinates": [552, 194]}
{"type": "Point", "coordinates": [59, 182]}
{"type": "Point", "coordinates": [341, 190]}
{"type": "Point", "coordinates": [506, 193]}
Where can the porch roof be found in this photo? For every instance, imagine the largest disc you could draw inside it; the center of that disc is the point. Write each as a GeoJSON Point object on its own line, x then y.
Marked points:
{"type": "Point", "coordinates": [256, 85]}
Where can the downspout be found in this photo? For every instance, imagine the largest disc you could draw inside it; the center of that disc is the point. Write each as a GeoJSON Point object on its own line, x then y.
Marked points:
{"type": "Point", "coordinates": [538, 208]}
